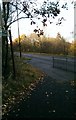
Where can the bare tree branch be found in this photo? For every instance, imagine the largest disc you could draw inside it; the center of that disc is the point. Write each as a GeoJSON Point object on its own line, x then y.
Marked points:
{"type": "Point", "coordinates": [16, 20]}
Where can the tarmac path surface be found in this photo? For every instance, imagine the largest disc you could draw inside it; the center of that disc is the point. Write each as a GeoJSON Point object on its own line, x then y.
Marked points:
{"type": "Point", "coordinates": [53, 97]}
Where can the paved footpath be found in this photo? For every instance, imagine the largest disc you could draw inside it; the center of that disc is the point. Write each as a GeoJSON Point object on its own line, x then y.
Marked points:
{"type": "Point", "coordinates": [53, 97]}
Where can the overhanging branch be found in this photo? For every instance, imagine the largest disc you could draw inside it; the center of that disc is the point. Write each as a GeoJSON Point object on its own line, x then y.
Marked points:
{"type": "Point", "coordinates": [16, 20]}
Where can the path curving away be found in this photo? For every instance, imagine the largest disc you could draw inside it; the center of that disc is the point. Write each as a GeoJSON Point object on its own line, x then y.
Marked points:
{"type": "Point", "coordinates": [53, 97]}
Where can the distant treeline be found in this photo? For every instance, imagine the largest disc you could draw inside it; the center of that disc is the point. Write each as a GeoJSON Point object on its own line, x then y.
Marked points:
{"type": "Point", "coordinates": [43, 44]}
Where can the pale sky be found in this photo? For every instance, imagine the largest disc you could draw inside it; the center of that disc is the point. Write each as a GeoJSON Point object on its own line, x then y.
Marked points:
{"type": "Point", "coordinates": [51, 30]}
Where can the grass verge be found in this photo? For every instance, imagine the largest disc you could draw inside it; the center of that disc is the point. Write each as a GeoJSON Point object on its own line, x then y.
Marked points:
{"type": "Point", "coordinates": [14, 89]}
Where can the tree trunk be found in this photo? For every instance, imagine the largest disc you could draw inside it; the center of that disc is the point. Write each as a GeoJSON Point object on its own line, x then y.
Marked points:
{"type": "Point", "coordinates": [12, 55]}
{"type": "Point", "coordinates": [4, 54]}
{"type": "Point", "coordinates": [5, 41]}
{"type": "Point", "coordinates": [6, 57]}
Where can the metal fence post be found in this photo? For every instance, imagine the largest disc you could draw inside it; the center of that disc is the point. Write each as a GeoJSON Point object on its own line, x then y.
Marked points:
{"type": "Point", "coordinates": [53, 61]}
{"type": "Point", "coordinates": [75, 65]}
{"type": "Point", "coordinates": [66, 63]}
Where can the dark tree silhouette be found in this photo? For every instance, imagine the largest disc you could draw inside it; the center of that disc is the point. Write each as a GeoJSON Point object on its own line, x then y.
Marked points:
{"type": "Point", "coordinates": [12, 55]}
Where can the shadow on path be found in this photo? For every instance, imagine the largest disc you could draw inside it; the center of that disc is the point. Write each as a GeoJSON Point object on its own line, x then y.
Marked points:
{"type": "Point", "coordinates": [50, 99]}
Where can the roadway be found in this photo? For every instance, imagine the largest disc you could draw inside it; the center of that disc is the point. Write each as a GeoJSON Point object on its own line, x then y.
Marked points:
{"type": "Point", "coordinates": [45, 63]}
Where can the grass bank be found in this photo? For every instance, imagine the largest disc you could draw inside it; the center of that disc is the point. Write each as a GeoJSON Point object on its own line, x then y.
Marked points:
{"type": "Point", "coordinates": [26, 79]}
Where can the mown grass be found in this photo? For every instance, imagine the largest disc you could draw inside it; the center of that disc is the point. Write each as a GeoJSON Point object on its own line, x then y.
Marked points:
{"type": "Point", "coordinates": [14, 89]}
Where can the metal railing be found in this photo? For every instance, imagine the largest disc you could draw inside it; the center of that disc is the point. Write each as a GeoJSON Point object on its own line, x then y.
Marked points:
{"type": "Point", "coordinates": [65, 63]}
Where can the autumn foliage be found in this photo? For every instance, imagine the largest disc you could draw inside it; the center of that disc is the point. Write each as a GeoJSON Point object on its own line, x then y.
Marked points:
{"type": "Point", "coordinates": [43, 44]}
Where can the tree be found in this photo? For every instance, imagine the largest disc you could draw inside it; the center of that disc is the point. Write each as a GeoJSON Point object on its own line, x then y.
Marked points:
{"type": "Point", "coordinates": [7, 21]}
{"type": "Point", "coordinates": [22, 37]}
{"type": "Point", "coordinates": [5, 37]}
{"type": "Point", "coordinates": [58, 37]}
{"type": "Point", "coordinates": [46, 11]}
{"type": "Point", "coordinates": [72, 49]}
{"type": "Point", "coordinates": [31, 9]}
{"type": "Point", "coordinates": [12, 55]}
